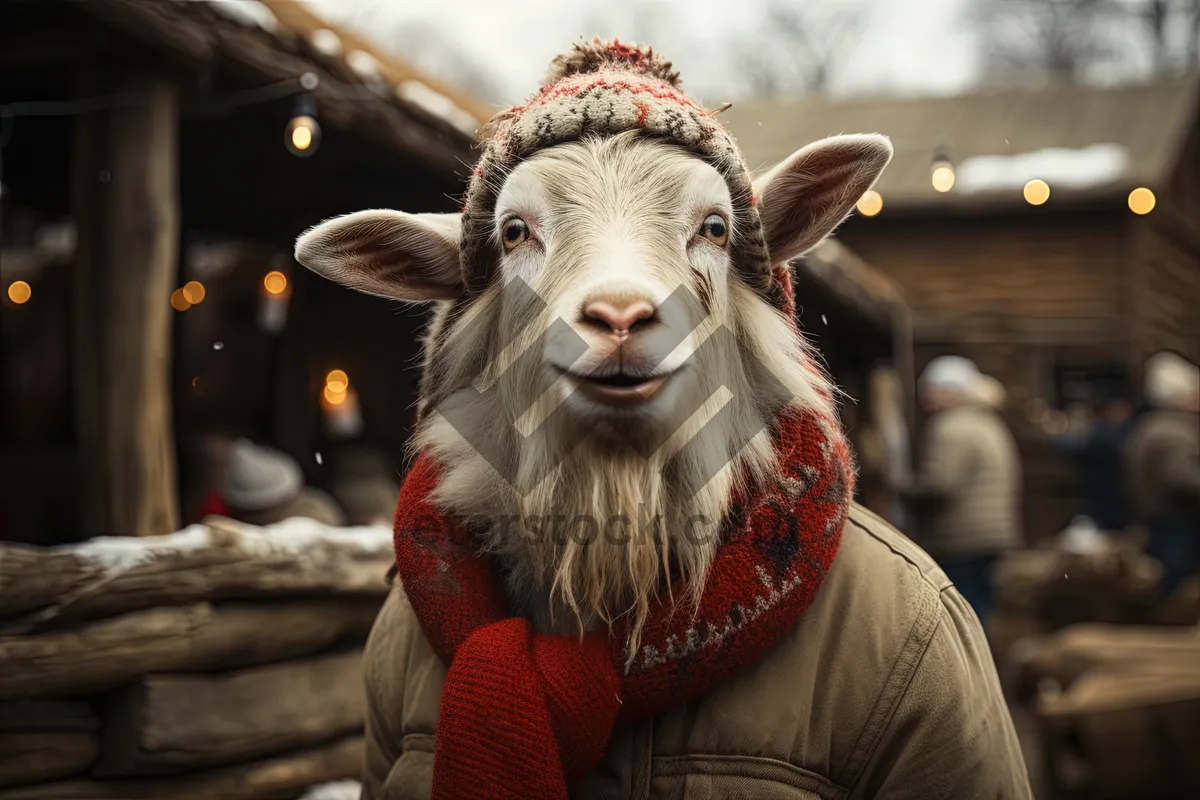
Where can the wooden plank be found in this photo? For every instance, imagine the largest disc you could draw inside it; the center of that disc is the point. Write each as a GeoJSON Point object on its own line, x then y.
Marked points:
{"type": "Point", "coordinates": [286, 776]}
{"type": "Point", "coordinates": [174, 723]}
{"type": "Point", "coordinates": [126, 201]}
{"type": "Point", "coordinates": [103, 655]}
{"type": "Point", "coordinates": [156, 24]}
{"type": "Point", "coordinates": [32, 756]}
{"type": "Point", "coordinates": [229, 561]}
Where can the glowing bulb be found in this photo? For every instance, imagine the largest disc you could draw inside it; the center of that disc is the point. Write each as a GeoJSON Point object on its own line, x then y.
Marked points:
{"type": "Point", "coordinates": [1141, 201]}
{"type": "Point", "coordinates": [275, 282]}
{"type": "Point", "coordinates": [334, 398]}
{"type": "Point", "coordinates": [870, 204]}
{"type": "Point", "coordinates": [1037, 191]}
{"type": "Point", "coordinates": [179, 301]}
{"type": "Point", "coordinates": [193, 292]}
{"type": "Point", "coordinates": [303, 135]}
{"type": "Point", "coordinates": [943, 178]}
{"type": "Point", "coordinates": [337, 381]}
{"type": "Point", "coordinates": [19, 292]}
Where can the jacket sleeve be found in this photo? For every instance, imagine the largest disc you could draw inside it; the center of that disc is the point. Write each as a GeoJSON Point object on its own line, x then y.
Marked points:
{"type": "Point", "coordinates": [951, 735]}
{"type": "Point", "coordinates": [1181, 472]}
{"type": "Point", "coordinates": [943, 464]}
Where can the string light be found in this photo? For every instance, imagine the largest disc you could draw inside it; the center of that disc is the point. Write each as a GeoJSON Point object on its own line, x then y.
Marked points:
{"type": "Point", "coordinates": [302, 136]}
{"type": "Point", "coordinates": [333, 398]}
{"type": "Point", "coordinates": [275, 282]}
{"type": "Point", "coordinates": [19, 292]}
{"type": "Point", "coordinates": [337, 381]}
{"type": "Point", "coordinates": [193, 292]}
{"type": "Point", "coordinates": [942, 171]}
{"type": "Point", "coordinates": [1037, 192]}
{"type": "Point", "coordinates": [870, 204]}
{"type": "Point", "coordinates": [1141, 201]}
{"type": "Point", "coordinates": [179, 301]}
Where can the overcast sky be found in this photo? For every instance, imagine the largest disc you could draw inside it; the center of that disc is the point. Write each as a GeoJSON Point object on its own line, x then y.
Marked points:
{"type": "Point", "coordinates": [909, 46]}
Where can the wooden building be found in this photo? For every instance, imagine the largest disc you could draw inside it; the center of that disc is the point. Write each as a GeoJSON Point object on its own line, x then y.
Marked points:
{"type": "Point", "coordinates": [1049, 298]}
{"type": "Point", "coordinates": [143, 150]}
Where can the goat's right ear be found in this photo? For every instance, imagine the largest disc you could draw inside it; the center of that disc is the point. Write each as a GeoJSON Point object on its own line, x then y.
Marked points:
{"type": "Point", "coordinates": [387, 253]}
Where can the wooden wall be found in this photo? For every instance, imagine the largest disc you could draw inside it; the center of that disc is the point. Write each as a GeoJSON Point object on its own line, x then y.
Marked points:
{"type": "Point", "coordinates": [1020, 294]}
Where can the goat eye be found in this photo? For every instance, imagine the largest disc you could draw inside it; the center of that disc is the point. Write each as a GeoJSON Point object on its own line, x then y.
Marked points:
{"type": "Point", "coordinates": [514, 232]}
{"type": "Point", "coordinates": [715, 230]}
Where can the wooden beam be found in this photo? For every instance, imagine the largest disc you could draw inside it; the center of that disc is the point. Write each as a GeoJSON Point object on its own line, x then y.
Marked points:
{"type": "Point", "coordinates": [126, 202]}
{"type": "Point", "coordinates": [109, 653]}
{"type": "Point", "coordinates": [159, 25]}
{"type": "Point", "coordinates": [285, 776]}
{"type": "Point", "coordinates": [175, 723]}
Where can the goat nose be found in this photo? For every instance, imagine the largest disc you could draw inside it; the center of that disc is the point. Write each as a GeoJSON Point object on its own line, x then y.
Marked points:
{"type": "Point", "coordinates": [619, 316]}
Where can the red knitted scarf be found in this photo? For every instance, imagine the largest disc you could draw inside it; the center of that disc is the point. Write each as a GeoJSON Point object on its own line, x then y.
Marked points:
{"type": "Point", "coordinates": [524, 715]}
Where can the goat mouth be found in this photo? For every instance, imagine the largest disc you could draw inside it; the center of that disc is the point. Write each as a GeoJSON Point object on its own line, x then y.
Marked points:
{"type": "Point", "coordinates": [620, 388]}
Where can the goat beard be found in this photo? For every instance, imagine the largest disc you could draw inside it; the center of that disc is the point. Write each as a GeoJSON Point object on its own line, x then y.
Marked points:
{"type": "Point", "coordinates": [604, 534]}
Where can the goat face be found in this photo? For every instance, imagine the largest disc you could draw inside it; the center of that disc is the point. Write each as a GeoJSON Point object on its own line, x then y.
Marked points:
{"type": "Point", "coordinates": [584, 368]}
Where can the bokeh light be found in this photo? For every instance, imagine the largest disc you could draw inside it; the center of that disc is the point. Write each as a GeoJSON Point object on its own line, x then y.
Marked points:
{"type": "Point", "coordinates": [275, 282]}
{"type": "Point", "coordinates": [1141, 200]}
{"type": "Point", "coordinates": [943, 178]}
{"type": "Point", "coordinates": [178, 301]}
{"type": "Point", "coordinates": [337, 381]}
{"type": "Point", "coordinates": [193, 292]}
{"type": "Point", "coordinates": [1037, 191]}
{"type": "Point", "coordinates": [871, 203]}
{"type": "Point", "coordinates": [19, 292]}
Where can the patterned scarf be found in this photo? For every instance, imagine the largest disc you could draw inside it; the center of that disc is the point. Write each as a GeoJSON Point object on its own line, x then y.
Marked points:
{"type": "Point", "coordinates": [525, 715]}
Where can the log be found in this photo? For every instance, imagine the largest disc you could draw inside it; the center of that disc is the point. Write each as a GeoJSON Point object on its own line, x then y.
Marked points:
{"type": "Point", "coordinates": [126, 204]}
{"type": "Point", "coordinates": [46, 740]}
{"type": "Point", "coordinates": [103, 655]}
{"type": "Point", "coordinates": [52, 587]}
{"type": "Point", "coordinates": [29, 757]}
{"type": "Point", "coordinates": [284, 777]}
{"type": "Point", "coordinates": [174, 723]}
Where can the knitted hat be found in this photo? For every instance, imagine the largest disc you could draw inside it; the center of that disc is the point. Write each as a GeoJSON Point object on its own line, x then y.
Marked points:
{"type": "Point", "coordinates": [1171, 381]}
{"type": "Point", "coordinates": [257, 478]}
{"type": "Point", "coordinates": [952, 372]}
{"type": "Point", "coordinates": [607, 88]}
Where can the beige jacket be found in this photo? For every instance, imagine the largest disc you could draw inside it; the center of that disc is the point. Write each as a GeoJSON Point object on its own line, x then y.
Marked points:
{"type": "Point", "coordinates": [1163, 460]}
{"type": "Point", "coordinates": [884, 689]}
{"type": "Point", "coordinates": [970, 476]}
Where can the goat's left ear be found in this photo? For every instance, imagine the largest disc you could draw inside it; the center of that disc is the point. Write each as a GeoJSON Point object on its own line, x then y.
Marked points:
{"type": "Point", "coordinates": [805, 197]}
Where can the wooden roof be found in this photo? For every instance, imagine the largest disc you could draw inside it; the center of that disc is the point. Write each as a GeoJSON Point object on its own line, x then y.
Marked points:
{"type": "Point", "coordinates": [852, 280]}
{"type": "Point", "coordinates": [274, 40]}
{"type": "Point", "coordinates": [1150, 121]}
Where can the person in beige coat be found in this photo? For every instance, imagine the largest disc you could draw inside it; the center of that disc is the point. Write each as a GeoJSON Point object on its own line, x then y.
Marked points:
{"type": "Point", "coordinates": [968, 482]}
{"type": "Point", "coordinates": [1163, 467]}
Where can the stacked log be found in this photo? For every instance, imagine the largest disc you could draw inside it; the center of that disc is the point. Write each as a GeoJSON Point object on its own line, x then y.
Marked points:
{"type": "Point", "coordinates": [223, 661]}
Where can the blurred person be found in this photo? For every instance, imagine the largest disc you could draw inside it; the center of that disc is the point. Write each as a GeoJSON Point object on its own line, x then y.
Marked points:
{"type": "Point", "coordinates": [1097, 450]}
{"type": "Point", "coordinates": [262, 486]}
{"type": "Point", "coordinates": [967, 487]}
{"type": "Point", "coordinates": [1163, 467]}
{"type": "Point", "coordinates": [365, 484]}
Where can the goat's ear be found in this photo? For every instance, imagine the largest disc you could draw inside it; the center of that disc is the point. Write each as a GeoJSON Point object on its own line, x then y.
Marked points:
{"type": "Point", "coordinates": [805, 197]}
{"type": "Point", "coordinates": [387, 253]}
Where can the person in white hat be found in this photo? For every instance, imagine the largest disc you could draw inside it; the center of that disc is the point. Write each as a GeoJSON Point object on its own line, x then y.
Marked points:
{"type": "Point", "coordinates": [967, 487]}
{"type": "Point", "coordinates": [262, 486]}
{"type": "Point", "coordinates": [1163, 466]}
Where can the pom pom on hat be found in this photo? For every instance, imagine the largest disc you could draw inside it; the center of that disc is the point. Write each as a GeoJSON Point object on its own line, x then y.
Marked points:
{"type": "Point", "coordinates": [597, 55]}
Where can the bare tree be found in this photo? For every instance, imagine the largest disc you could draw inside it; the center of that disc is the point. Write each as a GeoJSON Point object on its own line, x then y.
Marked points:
{"type": "Point", "coordinates": [1077, 39]}
{"type": "Point", "coordinates": [801, 48]}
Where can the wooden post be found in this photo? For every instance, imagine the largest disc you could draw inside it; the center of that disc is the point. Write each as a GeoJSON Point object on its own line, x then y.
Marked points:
{"type": "Point", "coordinates": [126, 206]}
